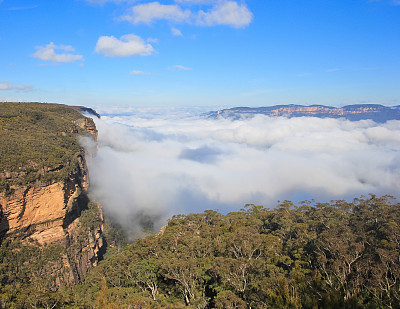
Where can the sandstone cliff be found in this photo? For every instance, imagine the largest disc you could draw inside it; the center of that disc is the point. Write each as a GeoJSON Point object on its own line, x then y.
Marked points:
{"type": "Point", "coordinates": [375, 112]}
{"type": "Point", "coordinates": [42, 200]}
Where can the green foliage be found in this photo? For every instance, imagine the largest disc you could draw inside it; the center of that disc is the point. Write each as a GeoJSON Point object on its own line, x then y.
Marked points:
{"type": "Point", "coordinates": [114, 236]}
{"type": "Point", "coordinates": [38, 142]}
{"type": "Point", "coordinates": [334, 255]}
{"type": "Point", "coordinates": [89, 217]}
{"type": "Point", "coordinates": [25, 275]}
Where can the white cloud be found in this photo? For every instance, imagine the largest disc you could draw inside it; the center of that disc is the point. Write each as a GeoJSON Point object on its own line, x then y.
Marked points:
{"type": "Point", "coordinates": [176, 32]}
{"type": "Point", "coordinates": [135, 72]}
{"type": "Point", "coordinates": [164, 162]}
{"type": "Point", "coordinates": [128, 45]}
{"type": "Point", "coordinates": [48, 53]}
{"type": "Point", "coordinates": [10, 86]}
{"type": "Point", "coordinates": [148, 12]}
{"type": "Point", "coordinates": [228, 13]}
{"type": "Point", "coordinates": [222, 12]}
{"type": "Point", "coordinates": [181, 67]}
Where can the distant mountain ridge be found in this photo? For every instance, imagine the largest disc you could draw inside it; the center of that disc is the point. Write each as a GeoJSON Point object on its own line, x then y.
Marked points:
{"type": "Point", "coordinates": [375, 112]}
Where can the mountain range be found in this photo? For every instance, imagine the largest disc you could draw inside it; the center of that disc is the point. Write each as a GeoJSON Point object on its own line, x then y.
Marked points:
{"type": "Point", "coordinates": [375, 112]}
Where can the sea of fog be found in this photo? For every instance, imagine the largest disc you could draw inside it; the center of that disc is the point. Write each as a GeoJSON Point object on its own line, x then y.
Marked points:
{"type": "Point", "coordinates": [152, 163]}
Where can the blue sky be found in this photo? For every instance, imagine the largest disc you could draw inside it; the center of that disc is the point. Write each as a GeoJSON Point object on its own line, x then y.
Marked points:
{"type": "Point", "coordinates": [200, 52]}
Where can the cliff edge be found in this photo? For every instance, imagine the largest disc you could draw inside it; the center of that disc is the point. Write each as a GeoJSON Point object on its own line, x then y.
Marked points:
{"type": "Point", "coordinates": [44, 183]}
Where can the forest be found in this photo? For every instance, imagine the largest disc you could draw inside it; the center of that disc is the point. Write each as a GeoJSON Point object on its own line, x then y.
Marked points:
{"type": "Point", "coordinates": [311, 255]}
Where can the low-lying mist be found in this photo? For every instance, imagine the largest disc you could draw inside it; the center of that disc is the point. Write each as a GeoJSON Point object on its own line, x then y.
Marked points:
{"type": "Point", "coordinates": [153, 163]}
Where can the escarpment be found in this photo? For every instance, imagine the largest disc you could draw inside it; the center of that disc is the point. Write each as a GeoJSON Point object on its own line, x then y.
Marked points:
{"type": "Point", "coordinates": [44, 183]}
{"type": "Point", "coordinates": [376, 112]}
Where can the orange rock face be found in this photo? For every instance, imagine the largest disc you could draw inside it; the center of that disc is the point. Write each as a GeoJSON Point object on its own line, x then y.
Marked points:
{"type": "Point", "coordinates": [40, 210]}
{"type": "Point", "coordinates": [50, 214]}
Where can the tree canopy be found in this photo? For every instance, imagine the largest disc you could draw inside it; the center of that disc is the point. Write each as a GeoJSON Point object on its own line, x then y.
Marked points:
{"type": "Point", "coordinates": [312, 255]}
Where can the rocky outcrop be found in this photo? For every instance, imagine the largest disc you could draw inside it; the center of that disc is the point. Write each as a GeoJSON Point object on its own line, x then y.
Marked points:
{"type": "Point", "coordinates": [88, 125]}
{"type": "Point", "coordinates": [378, 113]}
{"type": "Point", "coordinates": [49, 212]}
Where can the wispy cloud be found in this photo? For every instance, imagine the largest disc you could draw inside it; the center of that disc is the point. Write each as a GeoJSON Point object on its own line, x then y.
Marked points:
{"type": "Point", "coordinates": [10, 86]}
{"type": "Point", "coordinates": [176, 32]}
{"type": "Point", "coordinates": [182, 68]}
{"type": "Point", "coordinates": [128, 45]}
{"type": "Point", "coordinates": [135, 72]}
{"type": "Point", "coordinates": [333, 70]}
{"type": "Point", "coordinates": [152, 40]}
{"type": "Point", "coordinates": [48, 53]}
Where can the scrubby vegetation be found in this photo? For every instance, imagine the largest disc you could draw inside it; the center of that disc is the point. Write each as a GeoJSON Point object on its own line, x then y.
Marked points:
{"type": "Point", "coordinates": [25, 275]}
{"type": "Point", "coordinates": [37, 142]}
{"type": "Point", "coordinates": [313, 255]}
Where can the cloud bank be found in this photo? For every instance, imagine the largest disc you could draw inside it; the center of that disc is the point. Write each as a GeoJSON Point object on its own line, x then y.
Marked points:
{"type": "Point", "coordinates": [155, 163]}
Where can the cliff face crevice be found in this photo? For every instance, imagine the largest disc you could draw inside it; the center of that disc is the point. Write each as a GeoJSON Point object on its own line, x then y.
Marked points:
{"type": "Point", "coordinates": [53, 209]}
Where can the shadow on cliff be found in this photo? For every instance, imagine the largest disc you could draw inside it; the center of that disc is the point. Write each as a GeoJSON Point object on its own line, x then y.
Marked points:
{"type": "Point", "coordinates": [4, 226]}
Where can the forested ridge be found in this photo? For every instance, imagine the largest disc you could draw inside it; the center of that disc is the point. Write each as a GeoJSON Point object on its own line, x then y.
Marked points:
{"type": "Point", "coordinates": [38, 141]}
{"type": "Point", "coordinates": [311, 255]}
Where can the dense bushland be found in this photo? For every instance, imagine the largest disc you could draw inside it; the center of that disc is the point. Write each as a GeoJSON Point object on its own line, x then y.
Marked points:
{"type": "Point", "coordinates": [314, 255]}
{"type": "Point", "coordinates": [38, 142]}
